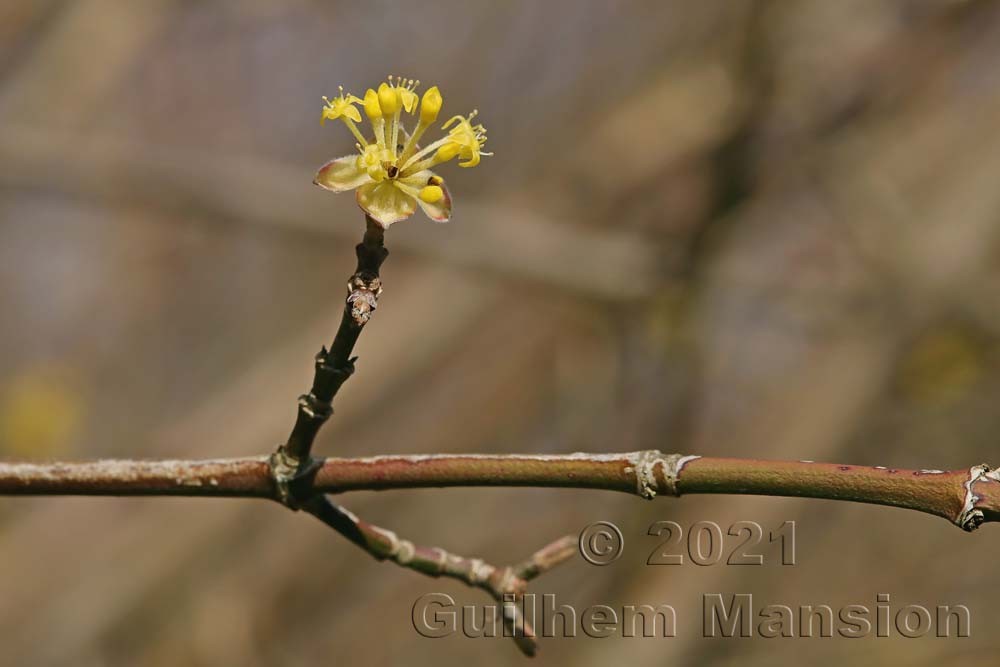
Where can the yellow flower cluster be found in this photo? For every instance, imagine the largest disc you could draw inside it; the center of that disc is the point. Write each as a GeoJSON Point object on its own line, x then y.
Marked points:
{"type": "Point", "coordinates": [391, 172]}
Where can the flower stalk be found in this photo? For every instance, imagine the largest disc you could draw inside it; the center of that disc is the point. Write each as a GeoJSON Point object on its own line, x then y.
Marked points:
{"type": "Point", "coordinates": [334, 365]}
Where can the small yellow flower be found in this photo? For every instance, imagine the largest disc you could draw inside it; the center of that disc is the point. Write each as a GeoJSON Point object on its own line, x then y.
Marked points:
{"type": "Point", "coordinates": [467, 139]}
{"type": "Point", "coordinates": [340, 107]}
{"type": "Point", "coordinates": [391, 172]}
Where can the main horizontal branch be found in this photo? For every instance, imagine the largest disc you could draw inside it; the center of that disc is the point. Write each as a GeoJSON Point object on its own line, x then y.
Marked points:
{"type": "Point", "coordinates": [966, 497]}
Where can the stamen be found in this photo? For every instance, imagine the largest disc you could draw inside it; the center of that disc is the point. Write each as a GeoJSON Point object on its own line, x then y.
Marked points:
{"type": "Point", "coordinates": [430, 107]}
{"type": "Point", "coordinates": [408, 189]}
{"type": "Point", "coordinates": [449, 151]}
{"type": "Point", "coordinates": [374, 112]}
{"type": "Point", "coordinates": [390, 103]}
{"type": "Point", "coordinates": [411, 143]}
{"type": "Point", "coordinates": [426, 150]}
{"type": "Point", "coordinates": [354, 130]}
{"type": "Point", "coordinates": [395, 133]}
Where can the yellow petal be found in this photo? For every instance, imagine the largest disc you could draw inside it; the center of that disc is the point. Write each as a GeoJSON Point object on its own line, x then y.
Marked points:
{"type": "Point", "coordinates": [353, 114]}
{"type": "Point", "coordinates": [471, 161]}
{"type": "Point", "coordinates": [409, 99]}
{"type": "Point", "coordinates": [385, 203]}
{"type": "Point", "coordinates": [451, 120]}
{"type": "Point", "coordinates": [341, 174]}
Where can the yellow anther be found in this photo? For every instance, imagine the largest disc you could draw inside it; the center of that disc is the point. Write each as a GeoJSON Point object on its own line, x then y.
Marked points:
{"type": "Point", "coordinates": [372, 108]}
{"type": "Point", "coordinates": [430, 105]}
{"type": "Point", "coordinates": [431, 194]}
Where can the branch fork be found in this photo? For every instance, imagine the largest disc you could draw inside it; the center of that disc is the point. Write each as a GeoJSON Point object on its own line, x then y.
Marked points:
{"type": "Point", "coordinates": [501, 583]}
{"type": "Point", "coordinates": [293, 469]}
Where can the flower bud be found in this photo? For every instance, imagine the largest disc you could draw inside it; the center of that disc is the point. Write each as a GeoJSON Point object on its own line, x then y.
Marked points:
{"type": "Point", "coordinates": [431, 194]}
{"type": "Point", "coordinates": [388, 99]}
{"type": "Point", "coordinates": [447, 152]}
{"type": "Point", "coordinates": [372, 108]}
{"type": "Point", "coordinates": [430, 105]}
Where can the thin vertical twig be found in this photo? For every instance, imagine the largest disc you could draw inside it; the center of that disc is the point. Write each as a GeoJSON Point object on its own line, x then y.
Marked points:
{"type": "Point", "coordinates": [334, 366]}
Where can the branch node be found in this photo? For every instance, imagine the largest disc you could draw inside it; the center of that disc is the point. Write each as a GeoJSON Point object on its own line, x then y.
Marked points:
{"type": "Point", "coordinates": [479, 571]}
{"type": "Point", "coordinates": [403, 551]}
{"type": "Point", "coordinates": [507, 581]}
{"type": "Point", "coordinates": [340, 372]}
{"type": "Point", "coordinates": [971, 517]}
{"type": "Point", "coordinates": [314, 407]}
{"type": "Point", "coordinates": [289, 473]}
{"type": "Point", "coordinates": [362, 299]}
{"type": "Point", "coordinates": [645, 467]}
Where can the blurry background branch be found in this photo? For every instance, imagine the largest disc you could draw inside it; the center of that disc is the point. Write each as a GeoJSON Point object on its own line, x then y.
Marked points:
{"type": "Point", "coordinates": [254, 191]}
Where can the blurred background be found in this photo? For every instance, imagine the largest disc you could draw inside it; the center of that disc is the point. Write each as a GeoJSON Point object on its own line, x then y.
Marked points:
{"type": "Point", "coordinates": [733, 228]}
